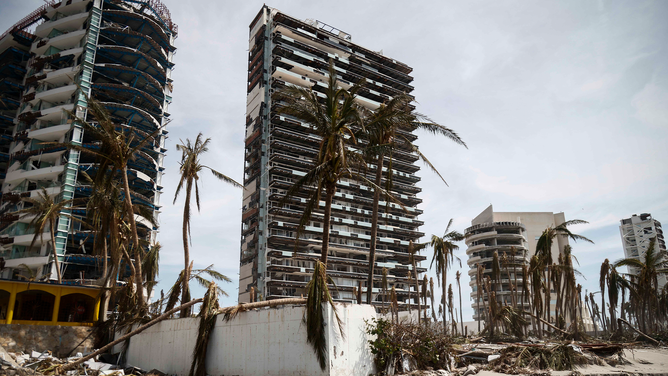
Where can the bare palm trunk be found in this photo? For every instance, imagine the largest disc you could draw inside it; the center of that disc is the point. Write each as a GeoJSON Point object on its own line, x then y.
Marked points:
{"type": "Point", "coordinates": [444, 297]}
{"type": "Point", "coordinates": [374, 225]}
{"type": "Point", "coordinates": [330, 191]}
{"type": "Point", "coordinates": [417, 288]}
{"type": "Point", "coordinates": [104, 307]}
{"type": "Point", "coordinates": [461, 316]}
{"type": "Point", "coordinates": [605, 324]}
{"type": "Point", "coordinates": [105, 264]}
{"type": "Point", "coordinates": [55, 253]}
{"type": "Point", "coordinates": [135, 238]}
{"type": "Point", "coordinates": [185, 312]}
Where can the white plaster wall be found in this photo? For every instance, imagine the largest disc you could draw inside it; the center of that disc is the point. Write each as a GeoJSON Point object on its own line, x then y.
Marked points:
{"type": "Point", "coordinates": [260, 342]}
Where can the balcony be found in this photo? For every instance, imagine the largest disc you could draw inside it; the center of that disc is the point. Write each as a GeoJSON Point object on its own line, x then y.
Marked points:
{"type": "Point", "coordinates": [48, 131]}
{"type": "Point", "coordinates": [62, 22]}
{"type": "Point", "coordinates": [54, 93]}
{"type": "Point", "coordinates": [63, 41]}
{"type": "Point", "coordinates": [49, 172]}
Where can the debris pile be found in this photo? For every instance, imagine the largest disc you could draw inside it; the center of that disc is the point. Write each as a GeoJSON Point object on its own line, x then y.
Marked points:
{"type": "Point", "coordinates": [36, 363]}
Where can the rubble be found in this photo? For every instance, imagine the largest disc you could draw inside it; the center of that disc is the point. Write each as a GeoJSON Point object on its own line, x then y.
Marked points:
{"type": "Point", "coordinates": [44, 363]}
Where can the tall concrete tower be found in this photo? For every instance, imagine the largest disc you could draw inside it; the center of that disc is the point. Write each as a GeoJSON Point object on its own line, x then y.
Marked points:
{"type": "Point", "coordinates": [637, 233]}
{"type": "Point", "coordinates": [51, 61]}
{"type": "Point", "coordinates": [279, 149]}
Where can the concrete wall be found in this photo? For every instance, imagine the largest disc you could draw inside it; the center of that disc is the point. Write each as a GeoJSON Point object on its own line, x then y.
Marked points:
{"type": "Point", "coordinates": [260, 342]}
{"type": "Point", "coordinates": [58, 339]}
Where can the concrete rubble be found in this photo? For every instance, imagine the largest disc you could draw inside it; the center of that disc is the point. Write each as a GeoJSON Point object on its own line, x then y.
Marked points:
{"type": "Point", "coordinates": [44, 363]}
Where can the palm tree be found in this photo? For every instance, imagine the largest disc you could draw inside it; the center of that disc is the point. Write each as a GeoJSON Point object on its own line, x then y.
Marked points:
{"type": "Point", "coordinates": [382, 130]}
{"type": "Point", "coordinates": [453, 323]}
{"type": "Point", "coordinates": [45, 212]}
{"type": "Point", "coordinates": [459, 286]}
{"type": "Point", "coordinates": [617, 284]}
{"type": "Point", "coordinates": [412, 248]}
{"type": "Point", "coordinates": [335, 121]}
{"type": "Point", "coordinates": [645, 297]}
{"type": "Point", "coordinates": [190, 169]}
{"type": "Point", "coordinates": [444, 248]}
{"type": "Point", "coordinates": [603, 283]}
{"type": "Point", "coordinates": [544, 252]}
{"type": "Point", "coordinates": [425, 293]}
{"type": "Point", "coordinates": [119, 144]}
{"type": "Point", "coordinates": [384, 287]}
{"type": "Point", "coordinates": [431, 297]}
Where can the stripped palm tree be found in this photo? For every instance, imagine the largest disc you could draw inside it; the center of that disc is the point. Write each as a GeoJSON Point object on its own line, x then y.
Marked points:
{"type": "Point", "coordinates": [603, 283]}
{"type": "Point", "coordinates": [383, 130]}
{"type": "Point", "coordinates": [425, 293]}
{"type": "Point", "coordinates": [444, 247]}
{"type": "Point", "coordinates": [431, 296]}
{"type": "Point", "coordinates": [384, 287]}
{"type": "Point", "coordinates": [119, 145]}
{"type": "Point", "coordinates": [646, 297]}
{"type": "Point", "coordinates": [459, 286]}
{"type": "Point", "coordinates": [453, 323]}
{"type": "Point", "coordinates": [544, 253]}
{"type": "Point", "coordinates": [190, 168]}
{"type": "Point", "coordinates": [412, 249]}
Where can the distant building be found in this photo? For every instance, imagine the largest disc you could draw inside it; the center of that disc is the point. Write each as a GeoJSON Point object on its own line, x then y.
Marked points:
{"type": "Point", "coordinates": [500, 231]}
{"type": "Point", "coordinates": [637, 232]}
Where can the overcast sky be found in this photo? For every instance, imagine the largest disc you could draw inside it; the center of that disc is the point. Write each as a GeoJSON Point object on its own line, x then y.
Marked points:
{"type": "Point", "coordinates": [564, 107]}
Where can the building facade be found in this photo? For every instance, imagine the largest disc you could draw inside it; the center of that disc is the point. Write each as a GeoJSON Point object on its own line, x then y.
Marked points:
{"type": "Point", "coordinates": [118, 51]}
{"type": "Point", "coordinates": [503, 232]}
{"type": "Point", "coordinates": [637, 232]}
{"type": "Point", "coordinates": [279, 149]}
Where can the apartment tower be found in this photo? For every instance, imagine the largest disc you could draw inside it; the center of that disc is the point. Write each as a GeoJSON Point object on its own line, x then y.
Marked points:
{"type": "Point", "coordinates": [637, 232]}
{"type": "Point", "coordinates": [51, 61]}
{"type": "Point", "coordinates": [502, 232]}
{"type": "Point", "coordinates": [279, 149]}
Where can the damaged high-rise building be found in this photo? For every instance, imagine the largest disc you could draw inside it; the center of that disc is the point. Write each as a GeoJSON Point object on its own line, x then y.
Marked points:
{"type": "Point", "coordinates": [51, 61]}
{"type": "Point", "coordinates": [279, 149]}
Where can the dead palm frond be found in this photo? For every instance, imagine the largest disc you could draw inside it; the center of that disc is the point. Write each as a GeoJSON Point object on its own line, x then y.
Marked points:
{"type": "Point", "coordinates": [207, 322]}
{"type": "Point", "coordinates": [151, 267]}
{"type": "Point", "coordinates": [317, 296]}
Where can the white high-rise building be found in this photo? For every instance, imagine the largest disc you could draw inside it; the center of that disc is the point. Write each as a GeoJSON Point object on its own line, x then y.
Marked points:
{"type": "Point", "coordinates": [498, 232]}
{"type": "Point", "coordinates": [637, 233]}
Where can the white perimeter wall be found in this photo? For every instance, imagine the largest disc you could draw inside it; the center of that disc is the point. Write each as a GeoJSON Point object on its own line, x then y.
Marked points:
{"type": "Point", "coordinates": [260, 342]}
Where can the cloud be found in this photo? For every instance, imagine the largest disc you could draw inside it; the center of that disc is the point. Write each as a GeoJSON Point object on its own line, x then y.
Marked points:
{"type": "Point", "coordinates": [650, 106]}
{"type": "Point", "coordinates": [562, 105]}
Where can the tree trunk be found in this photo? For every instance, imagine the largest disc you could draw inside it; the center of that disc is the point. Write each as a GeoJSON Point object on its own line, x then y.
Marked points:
{"type": "Point", "coordinates": [461, 316]}
{"type": "Point", "coordinates": [104, 307]}
{"type": "Point", "coordinates": [166, 315]}
{"type": "Point", "coordinates": [417, 288]}
{"type": "Point", "coordinates": [186, 250]}
{"type": "Point", "coordinates": [139, 280]}
{"type": "Point", "coordinates": [55, 253]}
{"type": "Point", "coordinates": [444, 297]}
{"type": "Point", "coordinates": [374, 224]}
{"type": "Point", "coordinates": [330, 191]}
{"type": "Point", "coordinates": [605, 324]}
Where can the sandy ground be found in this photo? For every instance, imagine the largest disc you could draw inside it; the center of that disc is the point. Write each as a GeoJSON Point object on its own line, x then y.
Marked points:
{"type": "Point", "coordinates": [644, 361]}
